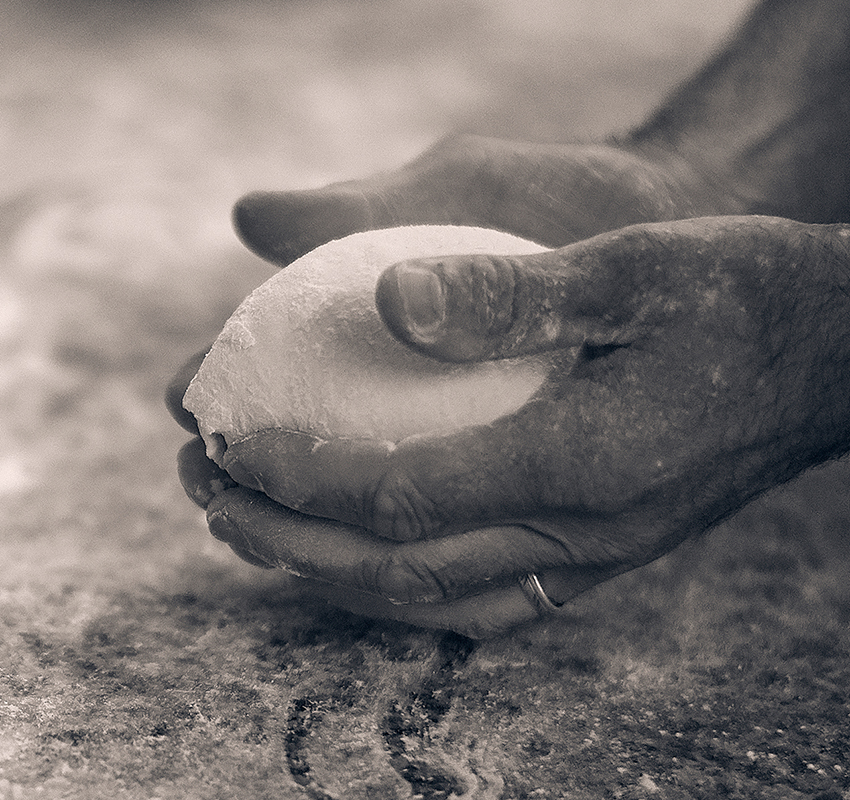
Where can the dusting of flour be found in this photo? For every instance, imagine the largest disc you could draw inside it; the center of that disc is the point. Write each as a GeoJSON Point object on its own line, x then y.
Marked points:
{"type": "Point", "coordinates": [307, 351]}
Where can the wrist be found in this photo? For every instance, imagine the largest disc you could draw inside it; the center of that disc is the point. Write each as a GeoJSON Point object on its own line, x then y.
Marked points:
{"type": "Point", "coordinates": [766, 119]}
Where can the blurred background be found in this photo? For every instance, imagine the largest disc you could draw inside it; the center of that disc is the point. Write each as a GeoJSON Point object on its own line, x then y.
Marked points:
{"type": "Point", "coordinates": [139, 657]}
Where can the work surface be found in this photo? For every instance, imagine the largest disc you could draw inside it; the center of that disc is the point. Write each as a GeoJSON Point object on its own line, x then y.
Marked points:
{"type": "Point", "coordinates": [138, 657]}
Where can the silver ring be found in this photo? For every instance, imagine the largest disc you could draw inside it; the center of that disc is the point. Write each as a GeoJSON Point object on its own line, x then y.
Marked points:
{"type": "Point", "coordinates": [533, 590]}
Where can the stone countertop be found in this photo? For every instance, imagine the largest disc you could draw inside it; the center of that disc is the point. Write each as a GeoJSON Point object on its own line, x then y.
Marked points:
{"type": "Point", "coordinates": [138, 657]}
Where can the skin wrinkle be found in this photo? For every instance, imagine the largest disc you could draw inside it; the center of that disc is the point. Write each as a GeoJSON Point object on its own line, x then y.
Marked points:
{"type": "Point", "coordinates": [489, 299]}
{"type": "Point", "coordinates": [518, 319]}
{"type": "Point", "coordinates": [389, 575]}
{"type": "Point", "coordinates": [399, 510]}
{"type": "Point", "coordinates": [433, 587]}
{"type": "Point", "coordinates": [572, 543]}
{"type": "Point", "coordinates": [604, 549]}
{"type": "Point", "coordinates": [665, 436]}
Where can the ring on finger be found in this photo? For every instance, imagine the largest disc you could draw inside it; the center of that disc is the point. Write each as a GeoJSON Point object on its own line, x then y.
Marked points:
{"type": "Point", "coordinates": [534, 591]}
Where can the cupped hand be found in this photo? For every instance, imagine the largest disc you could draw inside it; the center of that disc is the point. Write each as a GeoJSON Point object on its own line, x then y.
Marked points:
{"type": "Point", "coordinates": [699, 382]}
{"type": "Point", "coordinates": [682, 392]}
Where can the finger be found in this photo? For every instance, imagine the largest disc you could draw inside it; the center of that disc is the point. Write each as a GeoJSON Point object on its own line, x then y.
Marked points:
{"type": "Point", "coordinates": [420, 487]}
{"type": "Point", "coordinates": [475, 308]}
{"type": "Point", "coordinates": [201, 478]}
{"type": "Point", "coordinates": [177, 388]}
{"type": "Point", "coordinates": [454, 182]}
{"type": "Point", "coordinates": [606, 290]}
{"type": "Point", "coordinates": [549, 194]}
{"type": "Point", "coordinates": [493, 613]}
{"type": "Point", "coordinates": [425, 571]}
{"type": "Point", "coordinates": [281, 226]}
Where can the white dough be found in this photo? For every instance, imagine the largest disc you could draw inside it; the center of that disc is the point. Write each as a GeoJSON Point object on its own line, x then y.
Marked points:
{"type": "Point", "coordinates": [307, 351]}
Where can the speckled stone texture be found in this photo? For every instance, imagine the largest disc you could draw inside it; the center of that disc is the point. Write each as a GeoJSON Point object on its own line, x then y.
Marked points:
{"type": "Point", "coordinates": [138, 658]}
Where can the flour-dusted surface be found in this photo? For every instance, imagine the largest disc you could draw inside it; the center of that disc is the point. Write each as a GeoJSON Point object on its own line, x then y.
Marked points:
{"type": "Point", "coordinates": [308, 352]}
{"type": "Point", "coordinates": [138, 658]}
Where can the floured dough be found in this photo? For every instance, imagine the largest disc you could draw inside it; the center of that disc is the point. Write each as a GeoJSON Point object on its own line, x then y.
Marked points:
{"type": "Point", "coordinates": [307, 351]}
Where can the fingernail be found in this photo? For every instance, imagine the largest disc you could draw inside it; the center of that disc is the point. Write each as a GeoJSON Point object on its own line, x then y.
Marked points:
{"type": "Point", "coordinates": [223, 529]}
{"type": "Point", "coordinates": [242, 476]}
{"type": "Point", "coordinates": [203, 494]}
{"type": "Point", "coordinates": [423, 297]}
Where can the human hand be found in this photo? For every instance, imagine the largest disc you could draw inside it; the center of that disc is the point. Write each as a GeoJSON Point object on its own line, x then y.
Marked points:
{"type": "Point", "coordinates": [553, 194]}
{"type": "Point", "coordinates": [692, 393]}
{"type": "Point", "coordinates": [550, 194]}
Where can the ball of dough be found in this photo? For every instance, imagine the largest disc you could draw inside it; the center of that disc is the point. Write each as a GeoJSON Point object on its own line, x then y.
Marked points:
{"type": "Point", "coordinates": [307, 351]}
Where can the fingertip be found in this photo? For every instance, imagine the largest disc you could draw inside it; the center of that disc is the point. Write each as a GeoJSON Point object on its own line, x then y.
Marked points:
{"type": "Point", "coordinates": [268, 460]}
{"type": "Point", "coordinates": [176, 389]}
{"type": "Point", "coordinates": [458, 309]}
{"type": "Point", "coordinates": [426, 307]}
{"type": "Point", "coordinates": [174, 403]}
{"type": "Point", "coordinates": [240, 473]}
{"type": "Point", "coordinates": [227, 531]}
{"type": "Point", "coordinates": [257, 220]}
{"type": "Point", "coordinates": [411, 301]}
{"type": "Point", "coordinates": [202, 480]}
{"type": "Point", "coordinates": [282, 226]}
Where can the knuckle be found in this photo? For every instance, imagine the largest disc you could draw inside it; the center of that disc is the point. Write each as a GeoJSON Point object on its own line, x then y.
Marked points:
{"type": "Point", "coordinates": [399, 580]}
{"type": "Point", "coordinates": [625, 547]}
{"type": "Point", "coordinates": [399, 510]}
{"type": "Point", "coordinates": [460, 148]}
{"type": "Point", "coordinates": [488, 284]}
{"type": "Point", "coordinates": [466, 161]}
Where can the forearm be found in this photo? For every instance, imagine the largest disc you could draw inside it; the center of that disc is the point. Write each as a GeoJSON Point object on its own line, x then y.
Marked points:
{"type": "Point", "coordinates": [767, 121]}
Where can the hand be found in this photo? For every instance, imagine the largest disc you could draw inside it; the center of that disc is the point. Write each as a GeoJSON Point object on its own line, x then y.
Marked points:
{"type": "Point", "coordinates": [553, 194]}
{"type": "Point", "coordinates": [699, 382]}
{"type": "Point", "coordinates": [691, 393]}
{"type": "Point", "coordinates": [266, 222]}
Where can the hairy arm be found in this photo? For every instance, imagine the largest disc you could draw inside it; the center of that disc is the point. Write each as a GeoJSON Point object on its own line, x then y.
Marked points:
{"type": "Point", "coordinates": [767, 120]}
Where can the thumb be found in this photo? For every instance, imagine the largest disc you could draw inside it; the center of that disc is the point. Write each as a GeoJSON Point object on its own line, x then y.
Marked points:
{"type": "Point", "coordinates": [480, 307]}
{"type": "Point", "coordinates": [527, 190]}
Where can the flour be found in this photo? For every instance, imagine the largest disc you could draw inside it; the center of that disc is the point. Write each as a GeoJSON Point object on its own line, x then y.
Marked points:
{"type": "Point", "coordinates": [308, 352]}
